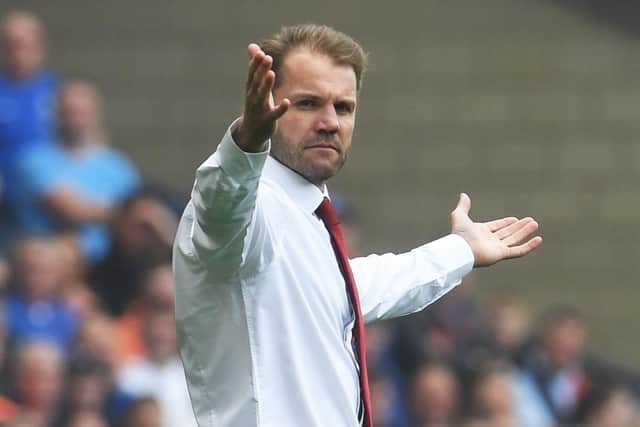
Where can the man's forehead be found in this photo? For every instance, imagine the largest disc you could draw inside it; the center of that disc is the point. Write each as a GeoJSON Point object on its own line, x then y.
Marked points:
{"type": "Point", "coordinates": [303, 69]}
{"type": "Point", "coordinates": [21, 24]}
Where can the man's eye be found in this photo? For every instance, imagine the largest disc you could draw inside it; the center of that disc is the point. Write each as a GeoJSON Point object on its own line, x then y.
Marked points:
{"type": "Point", "coordinates": [306, 103]}
{"type": "Point", "coordinates": [343, 108]}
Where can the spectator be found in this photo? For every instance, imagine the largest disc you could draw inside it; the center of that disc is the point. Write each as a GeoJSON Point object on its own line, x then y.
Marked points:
{"type": "Point", "coordinates": [88, 383]}
{"type": "Point", "coordinates": [551, 380]}
{"type": "Point", "coordinates": [143, 231]}
{"type": "Point", "coordinates": [73, 186]}
{"type": "Point", "coordinates": [434, 396]}
{"type": "Point", "coordinates": [504, 338]}
{"type": "Point", "coordinates": [91, 390]}
{"type": "Point", "coordinates": [161, 374]}
{"type": "Point", "coordinates": [34, 309]}
{"type": "Point", "coordinates": [493, 398]}
{"type": "Point", "coordinates": [27, 93]}
{"type": "Point", "coordinates": [97, 336]}
{"type": "Point", "coordinates": [510, 326]}
{"type": "Point", "coordinates": [157, 295]}
{"type": "Point", "coordinates": [74, 287]}
{"type": "Point", "coordinates": [38, 383]}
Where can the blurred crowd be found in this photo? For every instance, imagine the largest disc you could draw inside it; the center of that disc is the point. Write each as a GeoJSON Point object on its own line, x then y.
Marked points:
{"type": "Point", "coordinates": [87, 327]}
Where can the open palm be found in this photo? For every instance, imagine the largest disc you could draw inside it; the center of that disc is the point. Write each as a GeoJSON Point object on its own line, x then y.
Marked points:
{"type": "Point", "coordinates": [496, 240]}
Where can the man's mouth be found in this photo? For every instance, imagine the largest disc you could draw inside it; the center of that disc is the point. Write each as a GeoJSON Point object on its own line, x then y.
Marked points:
{"type": "Point", "coordinates": [325, 145]}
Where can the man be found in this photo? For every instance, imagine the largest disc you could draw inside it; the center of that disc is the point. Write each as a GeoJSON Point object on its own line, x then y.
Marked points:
{"type": "Point", "coordinates": [39, 376]}
{"type": "Point", "coordinates": [434, 396]}
{"type": "Point", "coordinates": [142, 230]}
{"type": "Point", "coordinates": [268, 314]}
{"type": "Point", "coordinates": [74, 185]}
{"type": "Point", "coordinates": [27, 95]}
{"type": "Point", "coordinates": [34, 309]}
{"type": "Point", "coordinates": [552, 378]}
{"type": "Point", "coordinates": [160, 373]}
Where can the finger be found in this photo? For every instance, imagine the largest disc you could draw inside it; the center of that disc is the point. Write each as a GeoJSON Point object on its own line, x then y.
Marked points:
{"type": "Point", "coordinates": [498, 224]}
{"type": "Point", "coordinates": [253, 66]}
{"type": "Point", "coordinates": [521, 234]}
{"type": "Point", "coordinates": [523, 249]}
{"type": "Point", "coordinates": [255, 53]}
{"type": "Point", "coordinates": [280, 109]}
{"type": "Point", "coordinates": [256, 76]}
{"type": "Point", "coordinates": [265, 88]}
{"type": "Point", "coordinates": [261, 72]}
{"type": "Point", "coordinates": [512, 228]}
{"type": "Point", "coordinates": [463, 206]}
{"type": "Point", "coordinates": [253, 49]}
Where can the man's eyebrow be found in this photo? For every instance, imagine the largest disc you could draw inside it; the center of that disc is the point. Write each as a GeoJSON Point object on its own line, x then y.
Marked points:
{"type": "Point", "coordinates": [310, 95]}
{"type": "Point", "coordinates": [304, 95]}
{"type": "Point", "coordinates": [349, 101]}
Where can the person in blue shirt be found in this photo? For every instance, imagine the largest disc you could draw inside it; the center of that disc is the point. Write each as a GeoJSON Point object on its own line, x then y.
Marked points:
{"type": "Point", "coordinates": [27, 93]}
{"type": "Point", "coordinates": [75, 185]}
{"type": "Point", "coordinates": [34, 309]}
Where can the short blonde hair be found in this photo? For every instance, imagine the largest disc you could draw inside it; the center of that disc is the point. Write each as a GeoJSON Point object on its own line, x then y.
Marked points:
{"type": "Point", "coordinates": [343, 49]}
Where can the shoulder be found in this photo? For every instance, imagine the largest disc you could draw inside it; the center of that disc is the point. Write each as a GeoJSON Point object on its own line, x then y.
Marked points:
{"type": "Point", "coordinates": [46, 79]}
{"type": "Point", "coordinates": [43, 148]}
{"type": "Point", "coordinates": [42, 154]}
{"type": "Point", "coordinates": [117, 165]}
{"type": "Point", "coordinates": [115, 157]}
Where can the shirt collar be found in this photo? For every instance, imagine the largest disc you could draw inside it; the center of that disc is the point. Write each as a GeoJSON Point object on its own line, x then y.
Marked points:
{"type": "Point", "coordinates": [305, 194]}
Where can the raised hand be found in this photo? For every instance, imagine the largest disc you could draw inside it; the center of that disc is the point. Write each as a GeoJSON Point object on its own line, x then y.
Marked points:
{"type": "Point", "coordinates": [258, 121]}
{"type": "Point", "coordinates": [495, 240]}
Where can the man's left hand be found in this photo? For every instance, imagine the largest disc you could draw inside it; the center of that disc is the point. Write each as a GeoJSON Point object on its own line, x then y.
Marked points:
{"type": "Point", "coordinates": [496, 240]}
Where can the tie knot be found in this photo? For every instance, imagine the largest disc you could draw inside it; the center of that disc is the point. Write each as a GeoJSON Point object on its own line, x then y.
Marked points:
{"type": "Point", "coordinates": [327, 213]}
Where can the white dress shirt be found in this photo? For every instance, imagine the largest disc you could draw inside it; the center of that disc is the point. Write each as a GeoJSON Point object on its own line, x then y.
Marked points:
{"type": "Point", "coordinates": [263, 315]}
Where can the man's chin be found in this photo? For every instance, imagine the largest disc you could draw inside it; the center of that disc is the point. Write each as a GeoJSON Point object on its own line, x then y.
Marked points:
{"type": "Point", "coordinates": [319, 172]}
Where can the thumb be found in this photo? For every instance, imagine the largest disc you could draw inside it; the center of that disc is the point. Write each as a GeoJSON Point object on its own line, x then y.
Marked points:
{"type": "Point", "coordinates": [463, 206]}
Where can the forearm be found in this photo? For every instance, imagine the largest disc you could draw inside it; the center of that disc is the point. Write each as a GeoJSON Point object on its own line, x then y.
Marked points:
{"type": "Point", "coordinates": [224, 197]}
{"type": "Point", "coordinates": [67, 204]}
{"type": "Point", "coordinates": [393, 285]}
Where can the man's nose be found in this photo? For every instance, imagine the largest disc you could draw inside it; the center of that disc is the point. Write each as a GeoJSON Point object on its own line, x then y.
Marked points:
{"type": "Point", "coordinates": [328, 120]}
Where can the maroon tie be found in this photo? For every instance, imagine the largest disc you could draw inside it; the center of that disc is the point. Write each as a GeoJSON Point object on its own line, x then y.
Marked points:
{"type": "Point", "coordinates": [328, 215]}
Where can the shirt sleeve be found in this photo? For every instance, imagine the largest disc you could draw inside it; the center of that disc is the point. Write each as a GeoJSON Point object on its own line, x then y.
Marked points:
{"type": "Point", "coordinates": [393, 285]}
{"type": "Point", "coordinates": [224, 199]}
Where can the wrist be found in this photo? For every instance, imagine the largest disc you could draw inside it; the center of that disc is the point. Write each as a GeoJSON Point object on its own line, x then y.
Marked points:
{"type": "Point", "coordinates": [245, 141]}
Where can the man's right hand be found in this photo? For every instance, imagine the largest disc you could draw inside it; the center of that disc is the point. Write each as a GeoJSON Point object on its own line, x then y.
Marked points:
{"type": "Point", "coordinates": [258, 121]}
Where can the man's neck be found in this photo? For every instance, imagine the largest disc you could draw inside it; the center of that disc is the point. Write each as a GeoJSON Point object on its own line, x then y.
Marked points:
{"type": "Point", "coordinates": [17, 76]}
{"type": "Point", "coordinates": [320, 185]}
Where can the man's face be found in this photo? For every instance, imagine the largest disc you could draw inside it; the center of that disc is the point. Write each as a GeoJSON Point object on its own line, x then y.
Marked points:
{"type": "Point", "coordinates": [39, 378]}
{"type": "Point", "coordinates": [314, 135]}
{"type": "Point", "coordinates": [23, 51]}
{"type": "Point", "coordinates": [77, 113]}
{"type": "Point", "coordinates": [564, 341]}
{"type": "Point", "coordinates": [37, 269]}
